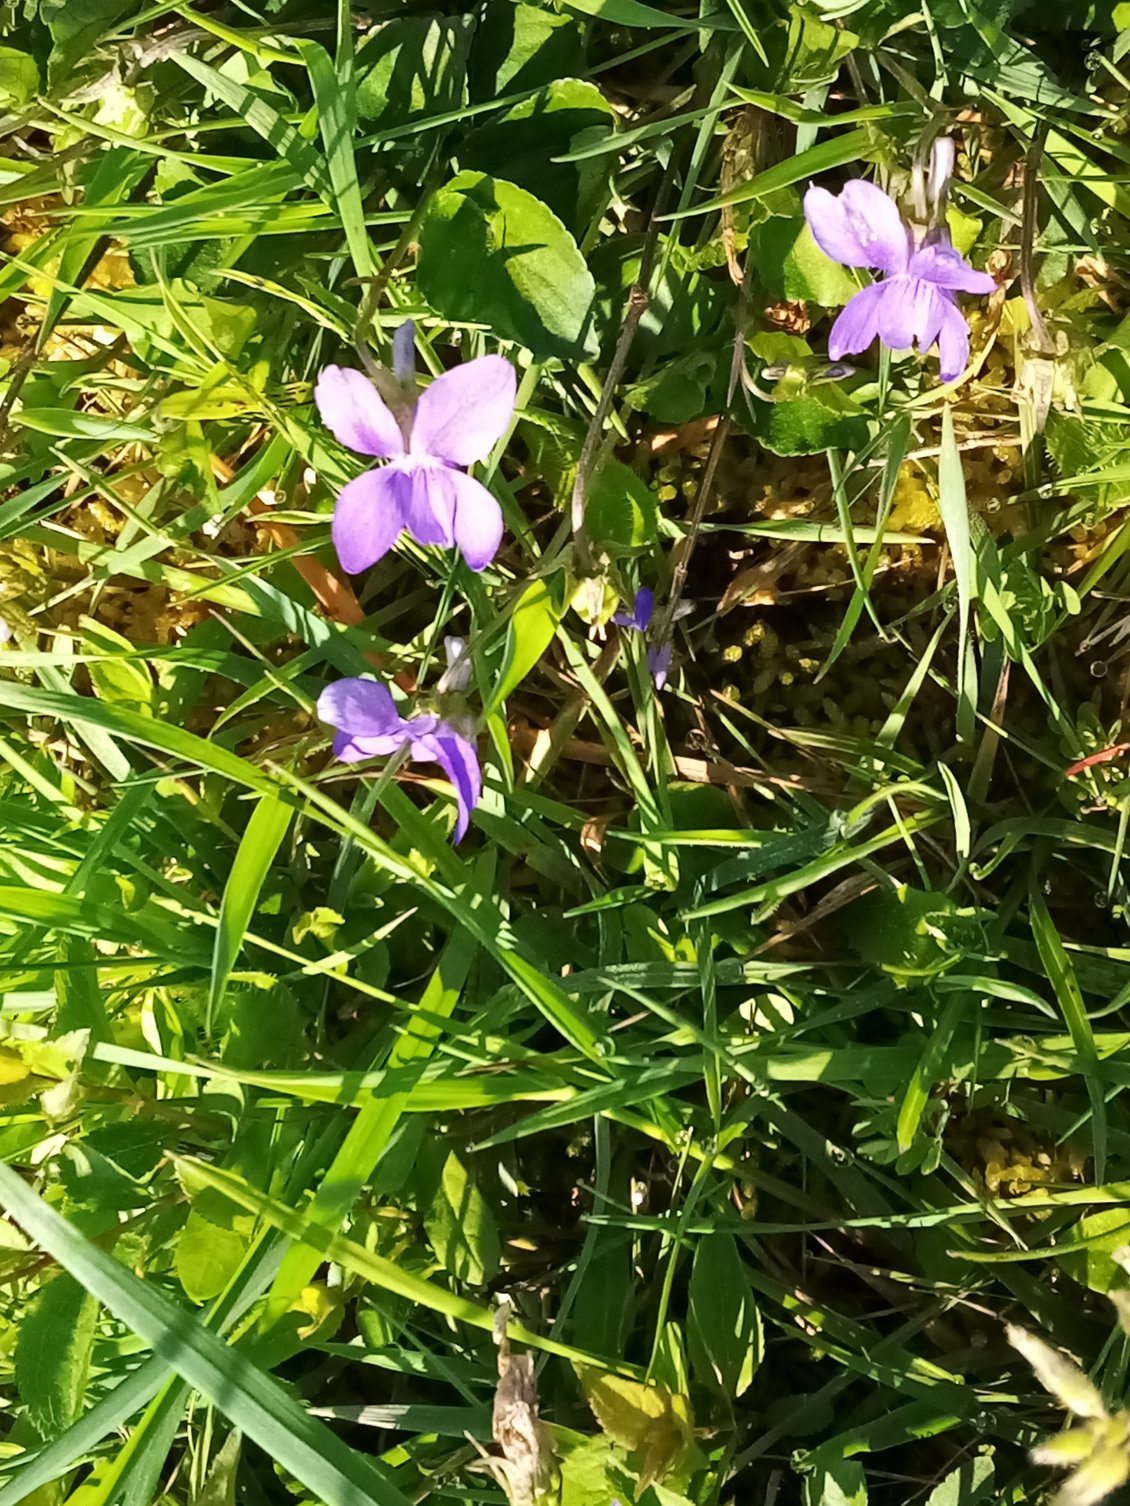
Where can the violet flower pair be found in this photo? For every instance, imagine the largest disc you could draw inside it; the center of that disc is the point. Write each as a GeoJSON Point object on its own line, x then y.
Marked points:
{"type": "Point", "coordinates": [914, 301]}
{"type": "Point", "coordinates": [425, 491]}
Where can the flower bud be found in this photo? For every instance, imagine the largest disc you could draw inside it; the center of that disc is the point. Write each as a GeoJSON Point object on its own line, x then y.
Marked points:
{"type": "Point", "coordinates": [404, 354]}
{"type": "Point", "coordinates": [943, 156]}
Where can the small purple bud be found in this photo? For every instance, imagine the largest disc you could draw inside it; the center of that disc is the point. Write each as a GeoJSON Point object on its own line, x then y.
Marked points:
{"type": "Point", "coordinates": [404, 354]}
{"type": "Point", "coordinates": [659, 662]}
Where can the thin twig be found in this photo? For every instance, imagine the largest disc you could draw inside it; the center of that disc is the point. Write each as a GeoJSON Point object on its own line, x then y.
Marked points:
{"type": "Point", "coordinates": [1043, 340]}
{"type": "Point", "coordinates": [706, 487]}
{"type": "Point", "coordinates": [638, 300]}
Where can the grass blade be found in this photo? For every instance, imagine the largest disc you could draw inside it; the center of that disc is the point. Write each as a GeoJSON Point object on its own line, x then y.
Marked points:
{"type": "Point", "coordinates": [954, 508]}
{"type": "Point", "coordinates": [261, 841]}
{"type": "Point", "coordinates": [255, 1403]}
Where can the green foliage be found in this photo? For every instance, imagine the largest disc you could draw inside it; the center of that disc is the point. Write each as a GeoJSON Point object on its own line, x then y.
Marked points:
{"type": "Point", "coordinates": [524, 46]}
{"type": "Point", "coordinates": [791, 265]}
{"type": "Point", "coordinates": [520, 145]}
{"type": "Point", "coordinates": [207, 1257]}
{"type": "Point", "coordinates": [724, 1326]}
{"type": "Point", "coordinates": [491, 251]}
{"type": "Point", "coordinates": [763, 1040]}
{"type": "Point", "coordinates": [461, 1228]}
{"type": "Point", "coordinates": [413, 67]}
{"type": "Point", "coordinates": [53, 1354]}
{"type": "Point", "coordinates": [19, 77]}
{"type": "Point", "coordinates": [620, 509]}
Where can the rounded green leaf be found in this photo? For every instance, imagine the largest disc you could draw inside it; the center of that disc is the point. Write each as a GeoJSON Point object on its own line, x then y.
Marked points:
{"type": "Point", "coordinates": [491, 253]}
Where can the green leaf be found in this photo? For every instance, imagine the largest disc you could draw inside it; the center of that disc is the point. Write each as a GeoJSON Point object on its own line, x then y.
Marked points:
{"type": "Point", "coordinates": [930, 1067]}
{"type": "Point", "coordinates": [912, 933]}
{"type": "Point", "coordinates": [592, 1475]}
{"type": "Point", "coordinates": [685, 309]}
{"type": "Point", "coordinates": [390, 1276]}
{"type": "Point", "coordinates": [852, 147]}
{"type": "Point", "coordinates": [492, 253]}
{"type": "Point", "coordinates": [651, 1422]}
{"type": "Point", "coordinates": [520, 146]}
{"type": "Point", "coordinates": [118, 679]}
{"type": "Point", "coordinates": [76, 27]}
{"type": "Point", "coordinates": [723, 1324]}
{"type": "Point", "coordinates": [813, 51]}
{"type": "Point", "coordinates": [522, 46]}
{"type": "Point", "coordinates": [677, 392]}
{"type": "Point", "coordinates": [620, 507]}
{"type": "Point", "coordinates": [258, 848]}
{"type": "Point", "coordinates": [333, 1472]}
{"type": "Point", "coordinates": [834, 1481]}
{"type": "Point", "coordinates": [970, 1484]}
{"type": "Point", "coordinates": [53, 1355]}
{"type": "Point", "coordinates": [634, 13]}
{"type": "Point", "coordinates": [207, 1257]}
{"type": "Point", "coordinates": [334, 89]}
{"type": "Point", "coordinates": [792, 266]}
{"type": "Point", "coordinates": [219, 1487]}
{"type": "Point", "coordinates": [529, 633]}
{"type": "Point", "coordinates": [19, 77]}
{"type": "Point", "coordinates": [412, 66]}
{"type": "Point", "coordinates": [1069, 996]}
{"type": "Point", "coordinates": [1094, 1267]}
{"type": "Point", "coordinates": [372, 1130]}
{"type": "Point", "coordinates": [461, 1227]}
{"type": "Point", "coordinates": [803, 422]}
{"type": "Point", "coordinates": [65, 423]}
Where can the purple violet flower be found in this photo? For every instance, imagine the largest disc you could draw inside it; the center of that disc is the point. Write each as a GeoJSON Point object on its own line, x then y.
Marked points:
{"type": "Point", "coordinates": [423, 488]}
{"type": "Point", "coordinates": [659, 655]}
{"type": "Point", "coordinates": [368, 725]}
{"type": "Point", "coordinates": [914, 299]}
{"type": "Point", "coordinates": [639, 617]}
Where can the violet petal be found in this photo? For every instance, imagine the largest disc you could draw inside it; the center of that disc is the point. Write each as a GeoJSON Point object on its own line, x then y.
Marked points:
{"type": "Point", "coordinates": [861, 227]}
{"type": "Point", "coordinates": [353, 749]}
{"type": "Point", "coordinates": [643, 607]}
{"type": "Point", "coordinates": [361, 708]}
{"type": "Point", "coordinates": [476, 518]}
{"type": "Point", "coordinates": [464, 412]}
{"type": "Point", "coordinates": [639, 618]}
{"type": "Point", "coordinates": [857, 324]}
{"type": "Point", "coordinates": [953, 344]}
{"type": "Point", "coordinates": [659, 658]}
{"type": "Point", "coordinates": [910, 310]}
{"type": "Point", "coordinates": [458, 759]}
{"type": "Point", "coordinates": [355, 413]}
{"type": "Point", "coordinates": [369, 517]}
{"type": "Point", "coordinates": [429, 513]}
{"type": "Point", "coordinates": [942, 264]}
